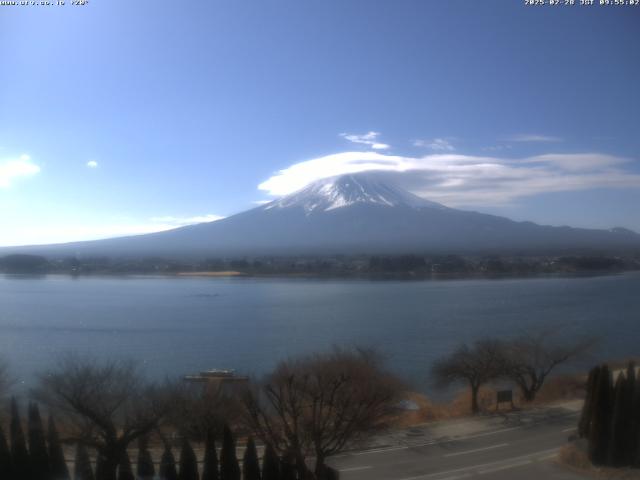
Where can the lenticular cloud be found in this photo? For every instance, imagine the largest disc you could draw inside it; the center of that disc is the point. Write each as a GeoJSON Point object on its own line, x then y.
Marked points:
{"type": "Point", "coordinates": [464, 180]}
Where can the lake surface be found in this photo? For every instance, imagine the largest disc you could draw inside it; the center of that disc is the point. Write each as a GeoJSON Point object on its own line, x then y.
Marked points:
{"type": "Point", "coordinates": [176, 326]}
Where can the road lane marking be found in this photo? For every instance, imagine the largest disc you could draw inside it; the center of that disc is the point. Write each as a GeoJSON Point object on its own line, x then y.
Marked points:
{"type": "Point", "coordinates": [451, 477]}
{"type": "Point", "coordinates": [367, 452]}
{"type": "Point", "coordinates": [355, 469]}
{"type": "Point", "coordinates": [473, 468]}
{"type": "Point", "coordinates": [491, 447]}
{"type": "Point", "coordinates": [504, 467]}
{"type": "Point", "coordinates": [569, 429]}
{"type": "Point", "coordinates": [456, 477]}
{"type": "Point", "coordinates": [547, 457]}
{"type": "Point", "coordinates": [486, 434]}
{"type": "Point", "coordinates": [427, 444]}
{"type": "Point", "coordinates": [436, 442]}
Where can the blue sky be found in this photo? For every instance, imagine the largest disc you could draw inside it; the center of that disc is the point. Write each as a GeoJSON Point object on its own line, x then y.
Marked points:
{"type": "Point", "coordinates": [124, 117]}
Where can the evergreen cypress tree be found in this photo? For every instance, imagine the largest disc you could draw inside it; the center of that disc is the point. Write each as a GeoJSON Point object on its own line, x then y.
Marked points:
{"type": "Point", "coordinates": [270, 464]}
{"type": "Point", "coordinates": [635, 461]}
{"type": "Point", "coordinates": [125, 470]}
{"type": "Point", "coordinates": [83, 469]}
{"type": "Point", "coordinates": [229, 467]}
{"type": "Point", "coordinates": [100, 467]}
{"type": "Point", "coordinates": [587, 408]}
{"type": "Point", "coordinates": [188, 462]}
{"type": "Point", "coordinates": [37, 444]}
{"type": "Point", "coordinates": [210, 468]}
{"type": "Point", "coordinates": [21, 467]}
{"type": "Point", "coordinates": [619, 421]}
{"type": "Point", "coordinates": [145, 468]}
{"type": "Point", "coordinates": [331, 474]}
{"type": "Point", "coordinates": [167, 470]}
{"type": "Point", "coordinates": [631, 376]}
{"type": "Point", "coordinates": [632, 416]}
{"type": "Point", "coordinates": [57, 463]}
{"type": "Point", "coordinates": [5, 456]}
{"type": "Point", "coordinates": [250, 464]}
{"type": "Point", "coordinates": [287, 468]}
{"type": "Point", "coordinates": [599, 432]}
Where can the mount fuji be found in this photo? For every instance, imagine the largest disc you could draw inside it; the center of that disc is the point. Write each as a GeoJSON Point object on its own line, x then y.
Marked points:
{"type": "Point", "coordinates": [352, 214]}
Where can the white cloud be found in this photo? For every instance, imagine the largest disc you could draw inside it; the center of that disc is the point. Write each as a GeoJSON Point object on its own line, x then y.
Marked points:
{"type": "Point", "coordinates": [92, 164]}
{"type": "Point", "coordinates": [465, 180]}
{"type": "Point", "coordinates": [579, 161]}
{"type": "Point", "coordinates": [14, 168]}
{"type": "Point", "coordinates": [369, 138]}
{"type": "Point", "coordinates": [300, 174]}
{"type": "Point", "coordinates": [532, 137]}
{"type": "Point", "coordinates": [436, 144]}
{"type": "Point", "coordinates": [496, 148]}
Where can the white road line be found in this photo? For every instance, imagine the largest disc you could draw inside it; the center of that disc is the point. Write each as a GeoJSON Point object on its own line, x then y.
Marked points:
{"type": "Point", "coordinates": [547, 457]}
{"type": "Point", "coordinates": [491, 447]}
{"type": "Point", "coordinates": [486, 434]}
{"type": "Point", "coordinates": [504, 467]}
{"type": "Point", "coordinates": [367, 452]}
{"type": "Point", "coordinates": [355, 469]}
{"type": "Point", "coordinates": [456, 477]}
{"type": "Point", "coordinates": [569, 429]}
{"type": "Point", "coordinates": [434, 442]}
{"type": "Point", "coordinates": [437, 474]}
{"type": "Point", "coordinates": [473, 468]}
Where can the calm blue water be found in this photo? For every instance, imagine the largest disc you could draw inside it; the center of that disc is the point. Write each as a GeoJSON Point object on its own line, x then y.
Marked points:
{"type": "Point", "coordinates": [182, 325]}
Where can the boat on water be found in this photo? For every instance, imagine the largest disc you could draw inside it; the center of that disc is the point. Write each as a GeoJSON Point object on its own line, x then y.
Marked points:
{"type": "Point", "coordinates": [216, 375]}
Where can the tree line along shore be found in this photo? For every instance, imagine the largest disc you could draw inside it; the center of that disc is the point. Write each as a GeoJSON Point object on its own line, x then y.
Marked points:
{"type": "Point", "coordinates": [376, 266]}
{"type": "Point", "coordinates": [107, 422]}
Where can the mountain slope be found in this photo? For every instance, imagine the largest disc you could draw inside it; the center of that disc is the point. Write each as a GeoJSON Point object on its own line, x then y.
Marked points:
{"type": "Point", "coordinates": [354, 214]}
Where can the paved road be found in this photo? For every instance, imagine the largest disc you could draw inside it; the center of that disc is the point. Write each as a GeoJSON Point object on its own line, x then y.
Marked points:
{"type": "Point", "coordinates": [515, 451]}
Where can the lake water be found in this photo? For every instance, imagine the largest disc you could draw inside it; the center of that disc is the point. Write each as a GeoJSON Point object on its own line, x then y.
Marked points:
{"type": "Point", "coordinates": [182, 325]}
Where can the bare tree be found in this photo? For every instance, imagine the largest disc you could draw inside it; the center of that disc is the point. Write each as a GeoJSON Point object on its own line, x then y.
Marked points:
{"type": "Point", "coordinates": [107, 405]}
{"type": "Point", "coordinates": [317, 405]}
{"type": "Point", "coordinates": [530, 358]}
{"type": "Point", "coordinates": [199, 411]}
{"type": "Point", "coordinates": [476, 365]}
{"type": "Point", "coordinates": [6, 381]}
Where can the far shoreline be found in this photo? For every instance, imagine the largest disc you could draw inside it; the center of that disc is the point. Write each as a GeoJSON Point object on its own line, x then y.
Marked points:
{"type": "Point", "coordinates": [227, 273]}
{"type": "Point", "coordinates": [406, 277]}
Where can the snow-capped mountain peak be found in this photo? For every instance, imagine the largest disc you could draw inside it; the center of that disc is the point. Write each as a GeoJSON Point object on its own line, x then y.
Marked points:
{"type": "Point", "coordinates": [342, 191]}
